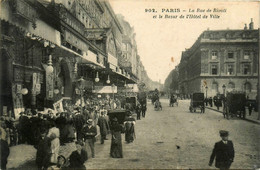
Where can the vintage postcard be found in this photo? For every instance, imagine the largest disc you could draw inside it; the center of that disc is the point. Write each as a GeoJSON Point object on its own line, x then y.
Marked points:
{"type": "Point", "coordinates": [129, 84]}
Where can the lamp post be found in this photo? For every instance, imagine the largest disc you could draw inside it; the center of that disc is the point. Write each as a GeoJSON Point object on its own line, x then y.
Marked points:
{"type": "Point", "coordinates": [224, 89]}
{"type": "Point", "coordinates": [206, 92]}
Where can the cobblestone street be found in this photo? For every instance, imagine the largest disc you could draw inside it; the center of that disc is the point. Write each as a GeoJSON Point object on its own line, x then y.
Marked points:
{"type": "Point", "coordinates": [159, 134]}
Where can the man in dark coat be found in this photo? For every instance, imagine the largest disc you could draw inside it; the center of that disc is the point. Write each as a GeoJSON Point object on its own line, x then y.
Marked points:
{"type": "Point", "coordinates": [79, 121]}
{"type": "Point", "coordinates": [78, 157]}
{"type": "Point", "coordinates": [103, 125]}
{"type": "Point", "coordinates": [223, 152]}
{"type": "Point", "coordinates": [143, 108]}
{"type": "Point", "coordinates": [4, 149]}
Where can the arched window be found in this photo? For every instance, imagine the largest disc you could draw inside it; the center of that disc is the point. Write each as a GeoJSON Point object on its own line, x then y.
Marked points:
{"type": "Point", "coordinates": [214, 88]}
{"type": "Point", "coordinates": [231, 86]}
{"type": "Point", "coordinates": [247, 87]}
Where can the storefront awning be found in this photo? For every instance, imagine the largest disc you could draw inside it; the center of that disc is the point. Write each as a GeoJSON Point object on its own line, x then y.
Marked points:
{"type": "Point", "coordinates": [105, 89]}
{"type": "Point", "coordinates": [42, 29]}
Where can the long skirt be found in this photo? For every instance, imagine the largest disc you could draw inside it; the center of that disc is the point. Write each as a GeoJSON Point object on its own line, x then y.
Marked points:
{"type": "Point", "coordinates": [129, 133]}
{"type": "Point", "coordinates": [116, 150]}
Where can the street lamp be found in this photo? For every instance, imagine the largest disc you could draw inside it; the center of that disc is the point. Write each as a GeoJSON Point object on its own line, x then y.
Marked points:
{"type": "Point", "coordinates": [206, 92]}
{"type": "Point", "coordinates": [97, 78]}
{"type": "Point", "coordinates": [108, 80]}
{"type": "Point", "coordinates": [224, 89]}
{"type": "Point", "coordinates": [49, 68]}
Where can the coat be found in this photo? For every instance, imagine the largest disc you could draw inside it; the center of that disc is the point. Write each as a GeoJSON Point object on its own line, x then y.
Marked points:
{"type": "Point", "coordinates": [103, 124]}
{"type": "Point", "coordinates": [54, 134]}
{"type": "Point", "coordinates": [89, 133]}
{"type": "Point", "coordinates": [77, 160]}
{"type": "Point", "coordinates": [224, 154]}
{"type": "Point", "coordinates": [4, 153]}
{"type": "Point", "coordinates": [43, 153]}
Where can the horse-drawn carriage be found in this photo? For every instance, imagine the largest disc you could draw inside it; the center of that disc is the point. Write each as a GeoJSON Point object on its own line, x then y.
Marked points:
{"type": "Point", "coordinates": [234, 104]}
{"type": "Point", "coordinates": [197, 102]}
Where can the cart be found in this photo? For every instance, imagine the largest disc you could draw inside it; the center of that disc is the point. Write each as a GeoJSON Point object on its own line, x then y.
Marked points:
{"type": "Point", "coordinates": [197, 102]}
{"type": "Point", "coordinates": [234, 105]}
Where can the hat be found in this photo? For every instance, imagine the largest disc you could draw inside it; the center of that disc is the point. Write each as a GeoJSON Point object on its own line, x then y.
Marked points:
{"type": "Point", "coordinates": [223, 133]}
{"type": "Point", "coordinates": [89, 121]}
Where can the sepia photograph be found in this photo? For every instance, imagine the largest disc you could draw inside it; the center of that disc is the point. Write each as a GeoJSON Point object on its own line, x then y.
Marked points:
{"type": "Point", "coordinates": [129, 84]}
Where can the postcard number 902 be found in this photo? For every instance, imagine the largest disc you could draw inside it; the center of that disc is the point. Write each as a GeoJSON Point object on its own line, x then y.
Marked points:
{"type": "Point", "coordinates": [150, 10]}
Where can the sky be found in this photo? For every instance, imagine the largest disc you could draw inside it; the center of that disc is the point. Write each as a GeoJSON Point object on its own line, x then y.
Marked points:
{"type": "Point", "coordinates": [161, 39]}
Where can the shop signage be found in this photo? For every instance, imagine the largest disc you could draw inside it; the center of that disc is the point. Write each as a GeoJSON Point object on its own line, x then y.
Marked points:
{"type": "Point", "coordinates": [36, 86]}
{"type": "Point", "coordinates": [21, 8]}
{"type": "Point", "coordinates": [111, 59]}
{"type": "Point", "coordinates": [112, 67]}
{"type": "Point", "coordinates": [71, 20]}
{"type": "Point", "coordinates": [17, 100]}
{"type": "Point", "coordinates": [49, 85]}
{"type": "Point", "coordinates": [75, 41]}
{"type": "Point", "coordinates": [90, 56]}
{"type": "Point", "coordinates": [105, 89]}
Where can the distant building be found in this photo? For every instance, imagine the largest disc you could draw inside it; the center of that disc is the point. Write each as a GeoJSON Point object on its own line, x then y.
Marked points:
{"type": "Point", "coordinates": [221, 58]}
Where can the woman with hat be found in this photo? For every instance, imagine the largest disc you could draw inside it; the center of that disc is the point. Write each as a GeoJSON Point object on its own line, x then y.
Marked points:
{"type": "Point", "coordinates": [116, 150]}
{"type": "Point", "coordinates": [130, 128]}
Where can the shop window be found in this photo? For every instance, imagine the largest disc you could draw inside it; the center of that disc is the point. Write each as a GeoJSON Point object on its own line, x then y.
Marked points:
{"type": "Point", "coordinates": [214, 88]}
{"type": "Point", "coordinates": [214, 69]}
{"type": "Point", "coordinates": [214, 55]}
{"type": "Point", "coordinates": [230, 69]}
{"type": "Point", "coordinates": [230, 55]}
{"type": "Point", "coordinates": [246, 55]}
{"type": "Point", "coordinates": [246, 69]}
{"type": "Point", "coordinates": [247, 87]}
{"type": "Point", "coordinates": [231, 86]}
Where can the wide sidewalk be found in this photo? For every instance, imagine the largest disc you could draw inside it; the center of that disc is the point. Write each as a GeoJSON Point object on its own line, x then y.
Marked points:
{"type": "Point", "coordinates": [24, 153]}
{"type": "Point", "coordinates": [252, 118]}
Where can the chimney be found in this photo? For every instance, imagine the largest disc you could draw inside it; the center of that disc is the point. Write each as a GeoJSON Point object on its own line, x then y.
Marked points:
{"type": "Point", "coordinates": [251, 25]}
{"type": "Point", "coordinates": [245, 28]}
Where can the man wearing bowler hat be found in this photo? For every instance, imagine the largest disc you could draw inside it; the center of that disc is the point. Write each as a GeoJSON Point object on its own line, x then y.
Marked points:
{"type": "Point", "coordinates": [223, 151]}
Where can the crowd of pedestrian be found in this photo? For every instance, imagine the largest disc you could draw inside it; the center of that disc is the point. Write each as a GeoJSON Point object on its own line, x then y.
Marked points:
{"type": "Point", "coordinates": [48, 131]}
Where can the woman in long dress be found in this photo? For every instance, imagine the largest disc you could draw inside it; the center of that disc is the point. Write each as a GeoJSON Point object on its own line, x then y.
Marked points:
{"type": "Point", "coordinates": [129, 128]}
{"type": "Point", "coordinates": [116, 150]}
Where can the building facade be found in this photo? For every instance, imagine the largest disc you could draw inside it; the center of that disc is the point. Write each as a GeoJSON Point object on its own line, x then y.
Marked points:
{"type": "Point", "coordinates": [221, 61]}
{"type": "Point", "coordinates": [48, 46]}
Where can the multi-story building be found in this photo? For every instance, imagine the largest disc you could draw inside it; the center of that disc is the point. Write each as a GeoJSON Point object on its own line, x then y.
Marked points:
{"type": "Point", "coordinates": [129, 56]}
{"type": "Point", "coordinates": [47, 46]}
{"type": "Point", "coordinates": [221, 61]}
